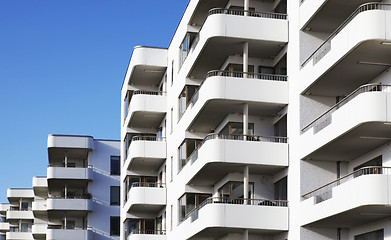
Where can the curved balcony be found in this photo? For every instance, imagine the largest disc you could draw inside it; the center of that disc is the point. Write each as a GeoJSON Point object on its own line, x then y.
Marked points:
{"type": "Point", "coordinates": [40, 182]}
{"type": "Point", "coordinates": [146, 152]}
{"type": "Point", "coordinates": [223, 216]}
{"type": "Point", "coordinates": [146, 198]}
{"type": "Point", "coordinates": [69, 204]}
{"type": "Point", "coordinates": [16, 215]}
{"type": "Point", "coordinates": [4, 227]}
{"type": "Point", "coordinates": [146, 109]}
{"type": "Point", "coordinates": [223, 34]}
{"type": "Point", "coordinates": [147, 235]}
{"type": "Point", "coordinates": [19, 236]}
{"type": "Point", "coordinates": [39, 206]}
{"type": "Point", "coordinates": [20, 193]}
{"type": "Point", "coordinates": [357, 198]}
{"type": "Point", "coordinates": [146, 67]}
{"type": "Point", "coordinates": [69, 173]}
{"type": "Point", "coordinates": [71, 142]}
{"type": "Point", "coordinates": [357, 124]}
{"type": "Point", "coordinates": [224, 92]}
{"type": "Point", "coordinates": [357, 51]}
{"type": "Point", "coordinates": [219, 154]}
{"type": "Point", "coordinates": [39, 230]}
{"type": "Point", "coordinates": [79, 234]}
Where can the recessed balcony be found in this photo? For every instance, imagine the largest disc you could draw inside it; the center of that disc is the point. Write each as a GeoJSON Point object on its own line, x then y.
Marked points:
{"type": "Point", "coordinates": [358, 51]}
{"type": "Point", "coordinates": [69, 204]}
{"type": "Point", "coordinates": [146, 109]}
{"type": "Point", "coordinates": [79, 234]}
{"type": "Point", "coordinates": [357, 124]}
{"type": "Point", "coordinates": [146, 198]}
{"type": "Point", "coordinates": [146, 152]}
{"type": "Point", "coordinates": [16, 215]}
{"type": "Point", "coordinates": [223, 34]}
{"type": "Point", "coordinates": [69, 173]}
{"type": "Point", "coordinates": [221, 216]}
{"type": "Point", "coordinates": [225, 92]}
{"type": "Point", "coordinates": [219, 154]}
{"type": "Point", "coordinates": [357, 198]}
{"type": "Point", "coordinates": [19, 236]}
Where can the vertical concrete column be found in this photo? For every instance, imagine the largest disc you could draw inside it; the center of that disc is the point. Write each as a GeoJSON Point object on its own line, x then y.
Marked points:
{"type": "Point", "coordinates": [66, 190]}
{"type": "Point", "coordinates": [245, 120]}
{"type": "Point", "coordinates": [245, 59]}
{"type": "Point", "coordinates": [245, 234]}
{"type": "Point", "coordinates": [245, 184]}
{"type": "Point", "coordinates": [246, 7]}
{"type": "Point", "coordinates": [66, 159]}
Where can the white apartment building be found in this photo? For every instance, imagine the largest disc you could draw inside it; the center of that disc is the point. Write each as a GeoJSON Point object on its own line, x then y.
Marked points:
{"type": "Point", "coordinates": [79, 198]}
{"type": "Point", "coordinates": [205, 124]}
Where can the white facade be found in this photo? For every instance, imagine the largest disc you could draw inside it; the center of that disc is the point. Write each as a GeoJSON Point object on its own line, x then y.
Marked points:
{"type": "Point", "coordinates": [207, 121]}
{"type": "Point", "coordinates": [79, 198]}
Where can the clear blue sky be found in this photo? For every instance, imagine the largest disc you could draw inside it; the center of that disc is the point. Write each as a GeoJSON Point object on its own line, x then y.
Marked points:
{"type": "Point", "coordinates": [62, 64]}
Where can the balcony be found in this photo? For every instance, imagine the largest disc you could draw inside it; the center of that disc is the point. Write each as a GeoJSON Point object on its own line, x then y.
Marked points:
{"type": "Point", "coordinates": [39, 230]}
{"type": "Point", "coordinates": [70, 142]}
{"type": "Point", "coordinates": [69, 204]}
{"type": "Point", "coordinates": [18, 193]}
{"type": "Point", "coordinates": [146, 152]}
{"type": "Point", "coordinates": [146, 67]}
{"type": "Point", "coordinates": [326, 15]}
{"type": "Point", "coordinates": [358, 124]}
{"type": "Point", "coordinates": [218, 155]}
{"type": "Point", "coordinates": [69, 173]}
{"type": "Point", "coordinates": [224, 92]}
{"type": "Point", "coordinates": [223, 34]}
{"type": "Point", "coordinates": [222, 216]}
{"type": "Point", "coordinates": [146, 198]}
{"type": "Point", "coordinates": [17, 215]}
{"type": "Point", "coordinates": [355, 199]}
{"type": "Point", "coordinates": [79, 234]}
{"type": "Point", "coordinates": [40, 182]}
{"type": "Point", "coordinates": [4, 227]}
{"type": "Point", "coordinates": [146, 109]}
{"type": "Point", "coordinates": [357, 51]}
{"type": "Point", "coordinates": [19, 236]}
{"type": "Point", "coordinates": [147, 235]}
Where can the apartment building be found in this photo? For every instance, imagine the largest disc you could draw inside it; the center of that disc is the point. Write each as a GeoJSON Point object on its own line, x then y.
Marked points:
{"type": "Point", "coordinates": [205, 124]}
{"type": "Point", "coordinates": [78, 199]}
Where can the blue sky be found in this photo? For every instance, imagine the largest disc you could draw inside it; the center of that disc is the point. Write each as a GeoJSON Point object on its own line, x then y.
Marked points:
{"type": "Point", "coordinates": [62, 64]}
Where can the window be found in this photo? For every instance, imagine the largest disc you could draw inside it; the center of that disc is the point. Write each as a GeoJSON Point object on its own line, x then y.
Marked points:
{"type": "Point", "coordinates": [172, 120]}
{"type": "Point", "coordinates": [24, 206]}
{"type": "Point", "coordinates": [186, 44]}
{"type": "Point", "coordinates": [188, 202]}
{"type": "Point", "coordinates": [281, 189]}
{"type": "Point", "coordinates": [114, 166]}
{"type": "Point", "coordinates": [172, 169]}
{"type": "Point", "coordinates": [235, 190]}
{"type": "Point", "coordinates": [185, 150]}
{"type": "Point", "coordinates": [172, 217]}
{"type": "Point", "coordinates": [114, 195]}
{"type": "Point", "coordinates": [24, 227]}
{"type": "Point", "coordinates": [375, 235]}
{"type": "Point", "coordinates": [114, 226]}
{"type": "Point", "coordinates": [184, 98]}
{"type": "Point", "coordinates": [172, 72]}
{"type": "Point", "coordinates": [280, 127]}
{"type": "Point", "coordinates": [236, 128]}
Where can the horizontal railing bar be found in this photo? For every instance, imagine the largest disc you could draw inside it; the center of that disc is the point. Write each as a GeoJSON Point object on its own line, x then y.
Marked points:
{"type": "Point", "coordinates": [249, 13]}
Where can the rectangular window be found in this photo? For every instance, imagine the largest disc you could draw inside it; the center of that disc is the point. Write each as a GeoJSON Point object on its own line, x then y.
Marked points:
{"type": "Point", "coordinates": [24, 206]}
{"type": "Point", "coordinates": [184, 98]}
{"type": "Point", "coordinates": [172, 72]}
{"type": "Point", "coordinates": [172, 169]}
{"type": "Point", "coordinates": [24, 227]}
{"type": "Point", "coordinates": [188, 202]}
{"type": "Point", "coordinates": [171, 218]}
{"type": "Point", "coordinates": [114, 195]}
{"type": "Point", "coordinates": [375, 235]}
{"type": "Point", "coordinates": [114, 165]}
{"type": "Point", "coordinates": [114, 226]}
{"type": "Point", "coordinates": [172, 120]}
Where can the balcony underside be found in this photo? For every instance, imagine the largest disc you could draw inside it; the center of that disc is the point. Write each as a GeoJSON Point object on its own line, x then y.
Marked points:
{"type": "Point", "coordinates": [355, 217]}
{"type": "Point", "coordinates": [145, 119]}
{"type": "Point", "coordinates": [219, 232]}
{"type": "Point", "coordinates": [330, 15]}
{"type": "Point", "coordinates": [354, 143]}
{"type": "Point", "coordinates": [212, 172]}
{"type": "Point", "coordinates": [214, 111]}
{"type": "Point", "coordinates": [137, 164]}
{"type": "Point", "coordinates": [144, 75]}
{"type": "Point", "coordinates": [347, 74]}
{"type": "Point", "coordinates": [145, 209]}
{"type": "Point", "coordinates": [217, 49]}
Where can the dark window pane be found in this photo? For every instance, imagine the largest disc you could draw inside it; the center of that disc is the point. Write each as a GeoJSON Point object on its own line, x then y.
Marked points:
{"type": "Point", "coordinates": [114, 195]}
{"type": "Point", "coordinates": [114, 226]}
{"type": "Point", "coordinates": [115, 166]}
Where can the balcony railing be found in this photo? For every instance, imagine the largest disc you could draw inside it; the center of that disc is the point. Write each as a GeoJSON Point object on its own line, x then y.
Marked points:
{"type": "Point", "coordinates": [148, 184]}
{"type": "Point", "coordinates": [238, 201]}
{"type": "Point", "coordinates": [326, 118]}
{"type": "Point", "coordinates": [252, 138]}
{"type": "Point", "coordinates": [148, 138]}
{"type": "Point", "coordinates": [224, 73]}
{"type": "Point", "coordinates": [240, 12]}
{"type": "Point", "coordinates": [154, 93]}
{"type": "Point", "coordinates": [323, 49]}
{"type": "Point", "coordinates": [72, 195]}
{"type": "Point", "coordinates": [325, 192]}
{"type": "Point", "coordinates": [147, 231]}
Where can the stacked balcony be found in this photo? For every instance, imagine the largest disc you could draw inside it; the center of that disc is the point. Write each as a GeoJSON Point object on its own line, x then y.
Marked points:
{"type": "Point", "coordinates": [146, 198]}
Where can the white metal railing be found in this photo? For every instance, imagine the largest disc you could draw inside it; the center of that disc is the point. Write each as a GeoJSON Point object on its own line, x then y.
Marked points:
{"type": "Point", "coordinates": [326, 118]}
{"type": "Point", "coordinates": [148, 138]}
{"type": "Point", "coordinates": [145, 92]}
{"type": "Point", "coordinates": [323, 49]}
{"type": "Point", "coordinates": [240, 12]}
{"type": "Point", "coordinates": [193, 214]}
{"type": "Point", "coordinates": [324, 192]}
{"type": "Point", "coordinates": [148, 184]}
{"type": "Point", "coordinates": [147, 231]}
{"type": "Point", "coordinates": [252, 138]}
{"type": "Point", "coordinates": [224, 73]}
